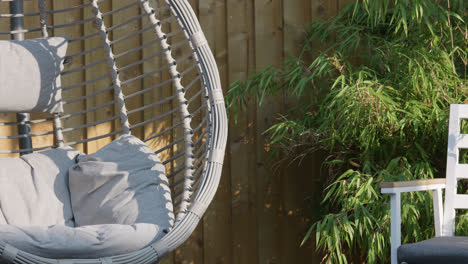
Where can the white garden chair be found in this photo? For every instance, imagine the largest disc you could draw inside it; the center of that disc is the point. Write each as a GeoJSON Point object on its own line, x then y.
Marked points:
{"type": "Point", "coordinates": [445, 247]}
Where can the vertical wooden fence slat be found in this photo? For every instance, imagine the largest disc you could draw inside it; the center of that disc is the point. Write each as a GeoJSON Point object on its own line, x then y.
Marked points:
{"type": "Point", "coordinates": [5, 22]}
{"type": "Point", "coordinates": [6, 144]}
{"type": "Point", "coordinates": [268, 51]}
{"type": "Point", "coordinates": [310, 170]}
{"type": "Point", "coordinates": [296, 15]}
{"type": "Point", "coordinates": [94, 72]}
{"type": "Point", "coordinates": [243, 158]}
{"type": "Point", "coordinates": [73, 48]}
{"type": "Point", "coordinates": [323, 9]}
{"type": "Point", "coordinates": [134, 71]}
{"type": "Point", "coordinates": [343, 3]}
{"type": "Point", "coordinates": [217, 220]}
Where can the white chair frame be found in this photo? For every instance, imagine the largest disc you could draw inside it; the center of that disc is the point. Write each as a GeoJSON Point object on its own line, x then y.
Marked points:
{"type": "Point", "coordinates": [444, 220]}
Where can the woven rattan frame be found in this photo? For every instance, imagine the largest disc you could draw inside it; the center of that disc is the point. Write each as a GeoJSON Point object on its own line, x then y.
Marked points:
{"type": "Point", "coordinates": [195, 137]}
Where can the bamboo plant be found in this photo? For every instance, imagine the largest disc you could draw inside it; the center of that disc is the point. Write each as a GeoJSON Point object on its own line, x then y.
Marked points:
{"type": "Point", "coordinates": [373, 86]}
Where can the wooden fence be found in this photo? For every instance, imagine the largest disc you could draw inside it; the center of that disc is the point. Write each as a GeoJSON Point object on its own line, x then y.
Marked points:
{"type": "Point", "coordinates": [259, 215]}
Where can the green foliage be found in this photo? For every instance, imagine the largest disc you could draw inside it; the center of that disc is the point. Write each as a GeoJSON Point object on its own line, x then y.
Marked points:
{"type": "Point", "coordinates": [376, 97]}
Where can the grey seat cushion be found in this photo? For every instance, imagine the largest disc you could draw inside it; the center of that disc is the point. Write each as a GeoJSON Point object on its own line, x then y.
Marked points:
{"type": "Point", "coordinates": [96, 241]}
{"type": "Point", "coordinates": [119, 195]}
{"type": "Point", "coordinates": [438, 250]}
{"type": "Point", "coordinates": [34, 188]}
{"type": "Point", "coordinates": [41, 60]}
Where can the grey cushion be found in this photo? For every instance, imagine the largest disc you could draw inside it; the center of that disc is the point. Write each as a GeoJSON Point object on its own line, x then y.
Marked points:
{"type": "Point", "coordinates": [80, 242]}
{"type": "Point", "coordinates": [41, 61]}
{"type": "Point", "coordinates": [120, 199]}
{"type": "Point", "coordinates": [437, 250]}
{"type": "Point", "coordinates": [123, 183]}
{"type": "Point", "coordinates": [34, 188]}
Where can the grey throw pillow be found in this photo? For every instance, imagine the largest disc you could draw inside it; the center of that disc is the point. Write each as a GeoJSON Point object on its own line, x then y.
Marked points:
{"type": "Point", "coordinates": [34, 188]}
{"type": "Point", "coordinates": [30, 75]}
{"type": "Point", "coordinates": [123, 183]}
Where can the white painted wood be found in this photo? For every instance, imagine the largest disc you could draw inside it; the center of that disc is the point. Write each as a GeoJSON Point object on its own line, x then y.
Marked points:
{"type": "Point", "coordinates": [460, 201]}
{"type": "Point", "coordinates": [463, 110]}
{"type": "Point", "coordinates": [395, 226]}
{"type": "Point", "coordinates": [395, 212]}
{"type": "Point", "coordinates": [413, 188]}
{"type": "Point", "coordinates": [413, 183]}
{"type": "Point", "coordinates": [461, 171]}
{"type": "Point", "coordinates": [438, 211]}
{"type": "Point", "coordinates": [457, 112]}
{"type": "Point", "coordinates": [462, 140]}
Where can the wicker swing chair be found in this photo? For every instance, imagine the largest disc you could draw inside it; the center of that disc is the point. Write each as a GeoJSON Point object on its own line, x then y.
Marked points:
{"type": "Point", "coordinates": [169, 96]}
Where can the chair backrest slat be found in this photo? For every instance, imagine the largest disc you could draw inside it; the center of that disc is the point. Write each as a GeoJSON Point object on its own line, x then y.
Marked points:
{"type": "Point", "coordinates": [455, 171]}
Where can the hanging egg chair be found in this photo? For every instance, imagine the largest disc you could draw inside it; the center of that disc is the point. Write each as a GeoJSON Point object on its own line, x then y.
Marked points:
{"type": "Point", "coordinates": [140, 68]}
